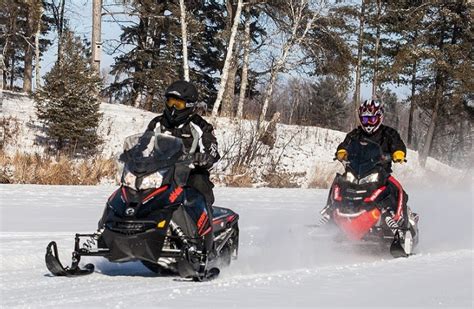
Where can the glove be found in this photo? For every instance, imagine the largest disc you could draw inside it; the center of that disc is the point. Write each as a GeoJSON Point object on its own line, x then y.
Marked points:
{"type": "Point", "coordinates": [202, 159]}
{"type": "Point", "coordinates": [398, 156]}
{"type": "Point", "coordinates": [341, 155]}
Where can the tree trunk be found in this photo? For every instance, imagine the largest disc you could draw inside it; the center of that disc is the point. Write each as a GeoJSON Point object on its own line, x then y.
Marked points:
{"type": "Point", "coordinates": [60, 26]}
{"type": "Point", "coordinates": [12, 72]}
{"type": "Point", "coordinates": [227, 109]}
{"type": "Point", "coordinates": [228, 58]}
{"type": "Point", "coordinates": [37, 46]}
{"type": "Point", "coordinates": [376, 51]}
{"type": "Point", "coordinates": [28, 58]}
{"type": "Point", "coordinates": [425, 152]}
{"type": "Point", "coordinates": [2, 67]}
{"type": "Point", "coordinates": [280, 63]}
{"type": "Point", "coordinates": [360, 44]}
{"type": "Point", "coordinates": [184, 35]}
{"type": "Point", "coordinates": [245, 64]}
{"type": "Point", "coordinates": [28, 69]}
{"type": "Point", "coordinates": [412, 106]}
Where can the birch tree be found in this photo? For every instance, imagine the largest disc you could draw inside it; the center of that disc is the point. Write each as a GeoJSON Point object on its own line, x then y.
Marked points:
{"type": "Point", "coordinates": [228, 59]}
{"type": "Point", "coordinates": [184, 35]}
{"type": "Point", "coordinates": [301, 20]}
{"type": "Point", "coordinates": [245, 64]}
{"type": "Point", "coordinates": [360, 44]}
{"type": "Point", "coordinates": [37, 45]}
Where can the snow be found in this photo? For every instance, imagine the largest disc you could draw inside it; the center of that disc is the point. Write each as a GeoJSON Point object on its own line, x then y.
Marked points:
{"type": "Point", "coordinates": [282, 261]}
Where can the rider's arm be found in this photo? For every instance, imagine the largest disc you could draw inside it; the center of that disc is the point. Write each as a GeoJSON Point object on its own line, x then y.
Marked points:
{"type": "Point", "coordinates": [208, 143]}
{"type": "Point", "coordinates": [341, 152]}
{"type": "Point", "coordinates": [398, 148]}
{"type": "Point", "coordinates": [151, 126]}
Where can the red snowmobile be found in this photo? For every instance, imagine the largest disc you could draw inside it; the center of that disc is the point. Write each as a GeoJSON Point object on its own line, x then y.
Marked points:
{"type": "Point", "coordinates": [363, 203]}
{"type": "Point", "coordinates": [155, 218]}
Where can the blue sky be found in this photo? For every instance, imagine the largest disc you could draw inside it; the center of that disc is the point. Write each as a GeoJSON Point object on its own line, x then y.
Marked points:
{"type": "Point", "coordinates": [79, 13]}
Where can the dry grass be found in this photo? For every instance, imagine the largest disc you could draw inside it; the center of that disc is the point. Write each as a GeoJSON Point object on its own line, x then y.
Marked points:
{"type": "Point", "coordinates": [282, 180]}
{"type": "Point", "coordinates": [323, 176]}
{"type": "Point", "coordinates": [48, 170]}
{"type": "Point", "coordinates": [240, 178]}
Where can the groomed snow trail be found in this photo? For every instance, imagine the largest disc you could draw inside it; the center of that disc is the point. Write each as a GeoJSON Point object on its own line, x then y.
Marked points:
{"type": "Point", "coordinates": [282, 262]}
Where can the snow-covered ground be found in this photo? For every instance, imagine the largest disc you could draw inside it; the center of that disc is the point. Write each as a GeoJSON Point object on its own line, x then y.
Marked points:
{"type": "Point", "coordinates": [282, 261]}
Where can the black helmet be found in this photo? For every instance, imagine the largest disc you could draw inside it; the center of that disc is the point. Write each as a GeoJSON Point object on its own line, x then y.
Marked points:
{"type": "Point", "coordinates": [182, 90]}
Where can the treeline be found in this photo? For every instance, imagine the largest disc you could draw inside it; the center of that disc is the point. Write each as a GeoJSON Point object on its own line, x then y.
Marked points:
{"type": "Point", "coordinates": [305, 60]}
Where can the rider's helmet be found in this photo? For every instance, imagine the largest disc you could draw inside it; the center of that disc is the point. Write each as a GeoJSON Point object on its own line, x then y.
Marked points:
{"type": "Point", "coordinates": [181, 97]}
{"type": "Point", "coordinates": [371, 115]}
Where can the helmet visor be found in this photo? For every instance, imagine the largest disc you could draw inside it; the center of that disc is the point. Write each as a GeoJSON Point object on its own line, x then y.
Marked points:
{"type": "Point", "coordinates": [370, 120]}
{"type": "Point", "coordinates": [179, 104]}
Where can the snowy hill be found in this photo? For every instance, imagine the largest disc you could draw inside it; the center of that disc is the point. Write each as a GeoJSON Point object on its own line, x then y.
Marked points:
{"type": "Point", "coordinates": [301, 154]}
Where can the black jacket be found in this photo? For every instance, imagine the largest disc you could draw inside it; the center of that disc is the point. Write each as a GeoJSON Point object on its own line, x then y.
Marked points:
{"type": "Point", "coordinates": [197, 135]}
{"type": "Point", "coordinates": [387, 137]}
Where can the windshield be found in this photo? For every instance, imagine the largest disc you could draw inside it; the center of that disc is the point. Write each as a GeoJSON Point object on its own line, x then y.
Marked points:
{"type": "Point", "coordinates": [148, 152]}
{"type": "Point", "coordinates": [363, 156]}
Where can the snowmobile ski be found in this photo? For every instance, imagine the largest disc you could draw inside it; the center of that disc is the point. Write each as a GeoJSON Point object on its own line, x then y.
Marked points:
{"type": "Point", "coordinates": [56, 268]}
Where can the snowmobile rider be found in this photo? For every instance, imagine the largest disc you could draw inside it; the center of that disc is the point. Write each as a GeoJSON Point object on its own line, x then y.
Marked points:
{"type": "Point", "coordinates": [371, 115]}
{"type": "Point", "coordinates": [179, 119]}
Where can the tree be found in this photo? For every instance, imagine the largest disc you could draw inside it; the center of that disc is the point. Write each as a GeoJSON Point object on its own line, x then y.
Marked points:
{"type": "Point", "coordinates": [448, 53]}
{"type": "Point", "coordinates": [228, 59]}
{"type": "Point", "coordinates": [68, 104]}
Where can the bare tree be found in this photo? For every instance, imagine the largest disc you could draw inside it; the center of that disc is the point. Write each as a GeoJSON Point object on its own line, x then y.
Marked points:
{"type": "Point", "coordinates": [245, 64]}
{"type": "Point", "coordinates": [184, 35]}
{"type": "Point", "coordinates": [300, 23]}
{"type": "Point", "coordinates": [377, 47]}
{"type": "Point", "coordinates": [37, 45]}
{"type": "Point", "coordinates": [228, 59]}
{"type": "Point", "coordinates": [360, 44]}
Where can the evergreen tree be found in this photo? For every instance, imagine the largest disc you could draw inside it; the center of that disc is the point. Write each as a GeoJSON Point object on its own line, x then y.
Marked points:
{"type": "Point", "coordinates": [68, 104]}
{"type": "Point", "coordinates": [17, 26]}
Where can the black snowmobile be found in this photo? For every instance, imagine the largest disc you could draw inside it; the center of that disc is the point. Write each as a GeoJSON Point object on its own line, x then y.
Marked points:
{"type": "Point", "coordinates": [155, 218]}
{"type": "Point", "coordinates": [361, 202]}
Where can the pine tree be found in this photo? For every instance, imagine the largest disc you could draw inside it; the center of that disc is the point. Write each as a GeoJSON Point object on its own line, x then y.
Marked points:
{"type": "Point", "coordinates": [68, 104]}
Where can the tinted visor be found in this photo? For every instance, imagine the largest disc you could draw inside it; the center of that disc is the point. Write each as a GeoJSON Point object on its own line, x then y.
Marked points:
{"type": "Point", "coordinates": [369, 120]}
{"type": "Point", "coordinates": [179, 104]}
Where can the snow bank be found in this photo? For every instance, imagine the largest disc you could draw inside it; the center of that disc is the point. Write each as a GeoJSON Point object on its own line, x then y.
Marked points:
{"type": "Point", "coordinates": [303, 154]}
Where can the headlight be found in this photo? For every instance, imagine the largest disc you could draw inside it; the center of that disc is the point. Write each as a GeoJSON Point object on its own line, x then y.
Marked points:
{"type": "Point", "coordinates": [371, 178]}
{"type": "Point", "coordinates": [350, 177]}
{"type": "Point", "coordinates": [152, 181]}
{"type": "Point", "coordinates": [128, 179]}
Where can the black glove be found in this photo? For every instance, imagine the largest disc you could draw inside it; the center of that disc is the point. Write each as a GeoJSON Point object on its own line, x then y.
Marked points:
{"type": "Point", "coordinates": [202, 159]}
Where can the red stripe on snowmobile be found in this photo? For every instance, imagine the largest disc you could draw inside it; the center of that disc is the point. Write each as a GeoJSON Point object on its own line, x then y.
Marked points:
{"type": "Point", "coordinates": [124, 194]}
{"type": "Point", "coordinates": [206, 231]}
{"type": "Point", "coordinates": [202, 219]}
{"type": "Point", "coordinates": [174, 195]}
{"type": "Point", "coordinates": [398, 214]}
{"type": "Point", "coordinates": [356, 227]}
{"type": "Point", "coordinates": [113, 195]}
{"type": "Point", "coordinates": [374, 195]}
{"type": "Point", "coordinates": [155, 193]}
{"type": "Point", "coordinates": [231, 218]}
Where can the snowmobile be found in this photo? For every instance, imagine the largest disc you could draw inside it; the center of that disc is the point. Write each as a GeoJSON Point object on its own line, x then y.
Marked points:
{"type": "Point", "coordinates": [155, 218]}
{"type": "Point", "coordinates": [361, 202]}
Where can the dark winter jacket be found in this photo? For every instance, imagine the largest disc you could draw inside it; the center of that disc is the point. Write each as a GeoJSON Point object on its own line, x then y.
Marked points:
{"type": "Point", "coordinates": [387, 137]}
{"type": "Point", "coordinates": [197, 135]}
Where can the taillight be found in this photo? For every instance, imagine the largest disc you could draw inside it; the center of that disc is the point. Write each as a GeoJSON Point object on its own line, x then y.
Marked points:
{"type": "Point", "coordinates": [337, 193]}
